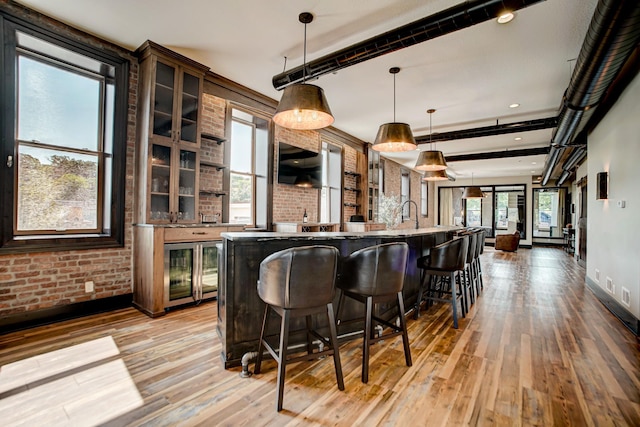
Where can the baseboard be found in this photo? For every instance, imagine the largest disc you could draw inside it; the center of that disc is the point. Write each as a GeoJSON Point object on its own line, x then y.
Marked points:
{"type": "Point", "coordinates": [30, 319]}
{"type": "Point", "coordinates": [614, 307]}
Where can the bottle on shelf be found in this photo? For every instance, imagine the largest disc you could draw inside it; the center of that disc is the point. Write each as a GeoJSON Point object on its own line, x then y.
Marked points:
{"type": "Point", "coordinates": [305, 218]}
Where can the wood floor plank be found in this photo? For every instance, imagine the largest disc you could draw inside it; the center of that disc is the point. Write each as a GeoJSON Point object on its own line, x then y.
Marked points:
{"type": "Point", "coordinates": [537, 348]}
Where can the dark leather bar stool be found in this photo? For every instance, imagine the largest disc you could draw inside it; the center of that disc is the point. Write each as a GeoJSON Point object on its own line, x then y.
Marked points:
{"type": "Point", "coordinates": [477, 264]}
{"type": "Point", "coordinates": [373, 275]}
{"type": "Point", "coordinates": [299, 282]}
{"type": "Point", "coordinates": [469, 269]}
{"type": "Point", "coordinates": [442, 276]}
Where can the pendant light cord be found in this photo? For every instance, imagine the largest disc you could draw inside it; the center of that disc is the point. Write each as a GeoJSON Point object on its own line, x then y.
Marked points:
{"type": "Point", "coordinates": [304, 56]}
{"type": "Point", "coordinates": [394, 98]}
{"type": "Point", "coordinates": [430, 132]}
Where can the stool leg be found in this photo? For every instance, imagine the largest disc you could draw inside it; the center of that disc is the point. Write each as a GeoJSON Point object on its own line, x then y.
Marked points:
{"type": "Point", "coordinates": [403, 325]}
{"type": "Point", "coordinates": [309, 322]}
{"type": "Point", "coordinates": [256, 369]}
{"type": "Point", "coordinates": [368, 329]}
{"type": "Point", "coordinates": [454, 297]}
{"type": "Point", "coordinates": [340, 303]}
{"type": "Point", "coordinates": [333, 337]}
{"type": "Point", "coordinates": [282, 359]}
{"type": "Point", "coordinates": [416, 311]}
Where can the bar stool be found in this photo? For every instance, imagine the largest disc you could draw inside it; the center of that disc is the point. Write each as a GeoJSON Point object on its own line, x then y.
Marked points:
{"type": "Point", "coordinates": [477, 265]}
{"type": "Point", "coordinates": [299, 282]}
{"type": "Point", "coordinates": [446, 262]}
{"type": "Point", "coordinates": [373, 275]}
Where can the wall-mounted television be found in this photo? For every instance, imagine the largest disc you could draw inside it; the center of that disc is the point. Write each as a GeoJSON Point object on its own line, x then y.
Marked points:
{"type": "Point", "coordinates": [300, 167]}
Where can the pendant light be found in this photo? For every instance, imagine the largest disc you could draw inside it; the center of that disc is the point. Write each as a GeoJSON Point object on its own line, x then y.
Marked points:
{"type": "Point", "coordinates": [394, 137]}
{"type": "Point", "coordinates": [473, 192]}
{"type": "Point", "coordinates": [431, 160]}
{"type": "Point", "coordinates": [303, 106]}
{"type": "Point", "coordinates": [440, 175]}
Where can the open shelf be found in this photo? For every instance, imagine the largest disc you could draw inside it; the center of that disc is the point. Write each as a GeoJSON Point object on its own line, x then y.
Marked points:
{"type": "Point", "coordinates": [357, 190]}
{"type": "Point", "coordinates": [356, 174]}
{"type": "Point", "coordinates": [218, 166]}
{"type": "Point", "coordinates": [210, 137]}
{"type": "Point", "coordinates": [352, 205]}
{"type": "Point", "coordinates": [216, 193]}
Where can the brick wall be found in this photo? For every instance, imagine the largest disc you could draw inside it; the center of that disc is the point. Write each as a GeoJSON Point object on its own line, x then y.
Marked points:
{"type": "Point", "coordinates": [392, 184]}
{"type": "Point", "coordinates": [213, 122]}
{"type": "Point", "coordinates": [289, 202]}
{"type": "Point", "coordinates": [35, 281]}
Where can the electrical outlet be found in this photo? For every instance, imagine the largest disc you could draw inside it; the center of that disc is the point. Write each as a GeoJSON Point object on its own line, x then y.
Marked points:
{"type": "Point", "coordinates": [626, 297]}
{"type": "Point", "coordinates": [88, 286]}
{"type": "Point", "coordinates": [610, 286]}
{"type": "Point", "coordinates": [597, 275]}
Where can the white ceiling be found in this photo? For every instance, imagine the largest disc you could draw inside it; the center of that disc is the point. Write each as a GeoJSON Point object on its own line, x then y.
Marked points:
{"type": "Point", "coordinates": [470, 76]}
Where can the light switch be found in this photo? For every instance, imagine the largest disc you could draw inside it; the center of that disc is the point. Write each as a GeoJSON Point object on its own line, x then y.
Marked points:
{"type": "Point", "coordinates": [621, 203]}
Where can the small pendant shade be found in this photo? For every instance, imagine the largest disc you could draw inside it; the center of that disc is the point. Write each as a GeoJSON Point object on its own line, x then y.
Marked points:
{"type": "Point", "coordinates": [431, 160]}
{"type": "Point", "coordinates": [394, 137]}
{"type": "Point", "coordinates": [472, 192]}
{"type": "Point", "coordinates": [303, 106]}
{"type": "Point", "coordinates": [440, 175]}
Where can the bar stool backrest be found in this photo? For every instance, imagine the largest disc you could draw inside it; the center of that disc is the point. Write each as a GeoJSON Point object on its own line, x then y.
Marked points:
{"type": "Point", "coordinates": [375, 270]}
{"type": "Point", "coordinates": [480, 243]}
{"type": "Point", "coordinates": [301, 277]}
{"type": "Point", "coordinates": [451, 255]}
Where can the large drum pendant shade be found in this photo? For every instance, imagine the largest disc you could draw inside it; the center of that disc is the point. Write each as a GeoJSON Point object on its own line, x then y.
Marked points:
{"type": "Point", "coordinates": [303, 106]}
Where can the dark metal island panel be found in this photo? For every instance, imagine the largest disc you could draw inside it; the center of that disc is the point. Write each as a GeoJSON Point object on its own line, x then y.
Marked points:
{"type": "Point", "coordinates": [240, 310]}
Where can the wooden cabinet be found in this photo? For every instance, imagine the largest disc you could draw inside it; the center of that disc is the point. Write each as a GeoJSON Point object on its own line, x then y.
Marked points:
{"type": "Point", "coordinates": [169, 116]}
{"type": "Point", "coordinates": [152, 263]}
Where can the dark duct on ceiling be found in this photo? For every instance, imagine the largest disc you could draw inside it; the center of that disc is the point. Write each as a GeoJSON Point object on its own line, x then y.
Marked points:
{"type": "Point", "coordinates": [455, 18]}
{"type": "Point", "coordinates": [612, 37]}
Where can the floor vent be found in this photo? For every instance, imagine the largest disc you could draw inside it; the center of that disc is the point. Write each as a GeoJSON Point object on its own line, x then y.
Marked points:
{"type": "Point", "coordinates": [626, 297]}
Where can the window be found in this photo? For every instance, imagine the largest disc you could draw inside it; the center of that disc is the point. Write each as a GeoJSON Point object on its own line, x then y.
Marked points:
{"type": "Point", "coordinates": [424, 206]}
{"type": "Point", "coordinates": [67, 110]}
{"type": "Point", "coordinates": [548, 211]}
{"type": "Point", "coordinates": [331, 183]}
{"type": "Point", "coordinates": [502, 205]}
{"type": "Point", "coordinates": [249, 154]}
{"type": "Point", "coordinates": [375, 184]}
{"type": "Point", "coordinates": [405, 195]}
{"type": "Point", "coordinates": [474, 212]}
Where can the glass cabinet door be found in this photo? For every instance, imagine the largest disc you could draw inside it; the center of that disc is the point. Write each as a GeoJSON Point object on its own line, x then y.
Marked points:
{"type": "Point", "coordinates": [163, 100]}
{"type": "Point", "coordinates": [209, 269]}
{"type": "Point", "coordinates": [160, 183]}
{"type": "Point", "coordinates": [187, 186]}
{"type": "Point", "coordinates": [189, 108]}
{"type": "Point", "coordinates": [179, 268]}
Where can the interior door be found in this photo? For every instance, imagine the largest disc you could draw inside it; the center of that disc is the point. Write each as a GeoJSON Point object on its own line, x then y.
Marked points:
{"type": "Point", "coordinates": [582, 227]}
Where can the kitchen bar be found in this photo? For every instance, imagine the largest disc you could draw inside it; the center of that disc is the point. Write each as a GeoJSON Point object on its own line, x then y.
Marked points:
{"type": "Point", "coordinates": [240, 309]}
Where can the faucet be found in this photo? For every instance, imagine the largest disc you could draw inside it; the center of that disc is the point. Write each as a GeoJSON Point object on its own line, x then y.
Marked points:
{"type": "Point", "coordinates": [414, 204]}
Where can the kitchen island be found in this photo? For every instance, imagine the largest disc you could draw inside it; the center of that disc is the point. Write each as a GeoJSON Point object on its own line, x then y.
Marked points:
{"type": "Point", "coordinates": [240, 310]}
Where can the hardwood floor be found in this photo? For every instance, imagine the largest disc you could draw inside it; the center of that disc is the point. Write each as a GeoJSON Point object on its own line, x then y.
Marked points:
{"type": "Point", "coordinates": [537, 348]}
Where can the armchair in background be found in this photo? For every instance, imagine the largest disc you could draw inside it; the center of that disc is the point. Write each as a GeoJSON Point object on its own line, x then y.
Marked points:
{"type": "Point", "coordinates": [508, 242]}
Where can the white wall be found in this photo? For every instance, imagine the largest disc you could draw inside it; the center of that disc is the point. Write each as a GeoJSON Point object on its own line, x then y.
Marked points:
{"type": "Point", "coordinates": [613, 233]}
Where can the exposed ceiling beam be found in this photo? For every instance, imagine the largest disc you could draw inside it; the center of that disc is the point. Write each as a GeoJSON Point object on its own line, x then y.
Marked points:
{"type": "Point", "coordinates": [498, 154]}
{"type": "Point", "coordinates": [455, 18]}
{"type": "Point", "coordinates": [523, 126]}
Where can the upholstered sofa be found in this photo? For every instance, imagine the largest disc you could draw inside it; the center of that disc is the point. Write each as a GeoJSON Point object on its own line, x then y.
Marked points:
{"type": "Point", "coordinates": [508, 242]}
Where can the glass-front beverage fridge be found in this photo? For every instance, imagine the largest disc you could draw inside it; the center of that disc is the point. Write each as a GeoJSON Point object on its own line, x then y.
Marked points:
{"type": "Point", "coordinates": [190, 273]}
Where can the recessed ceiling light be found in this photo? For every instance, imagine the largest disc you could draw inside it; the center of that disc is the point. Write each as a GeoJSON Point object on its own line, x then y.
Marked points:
{"type": "Point", "coordinates": [533, 163]}
{"type": "Point", "coordinates": [533, 171]}
{"type": "Point", "coordinates": [518, 138]}
{"type": "Point", "coordinates": [514, 105]}
{"type": "Point", "coordinates": [506, 17]}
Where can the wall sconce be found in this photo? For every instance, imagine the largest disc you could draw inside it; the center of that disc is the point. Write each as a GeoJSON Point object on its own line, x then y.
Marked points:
{"type": "Point", "coordinates": [602, 181]}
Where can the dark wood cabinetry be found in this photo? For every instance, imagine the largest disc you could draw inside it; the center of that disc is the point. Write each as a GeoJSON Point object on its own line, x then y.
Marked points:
{"type": "Point", "coordinates": [168, 157]}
